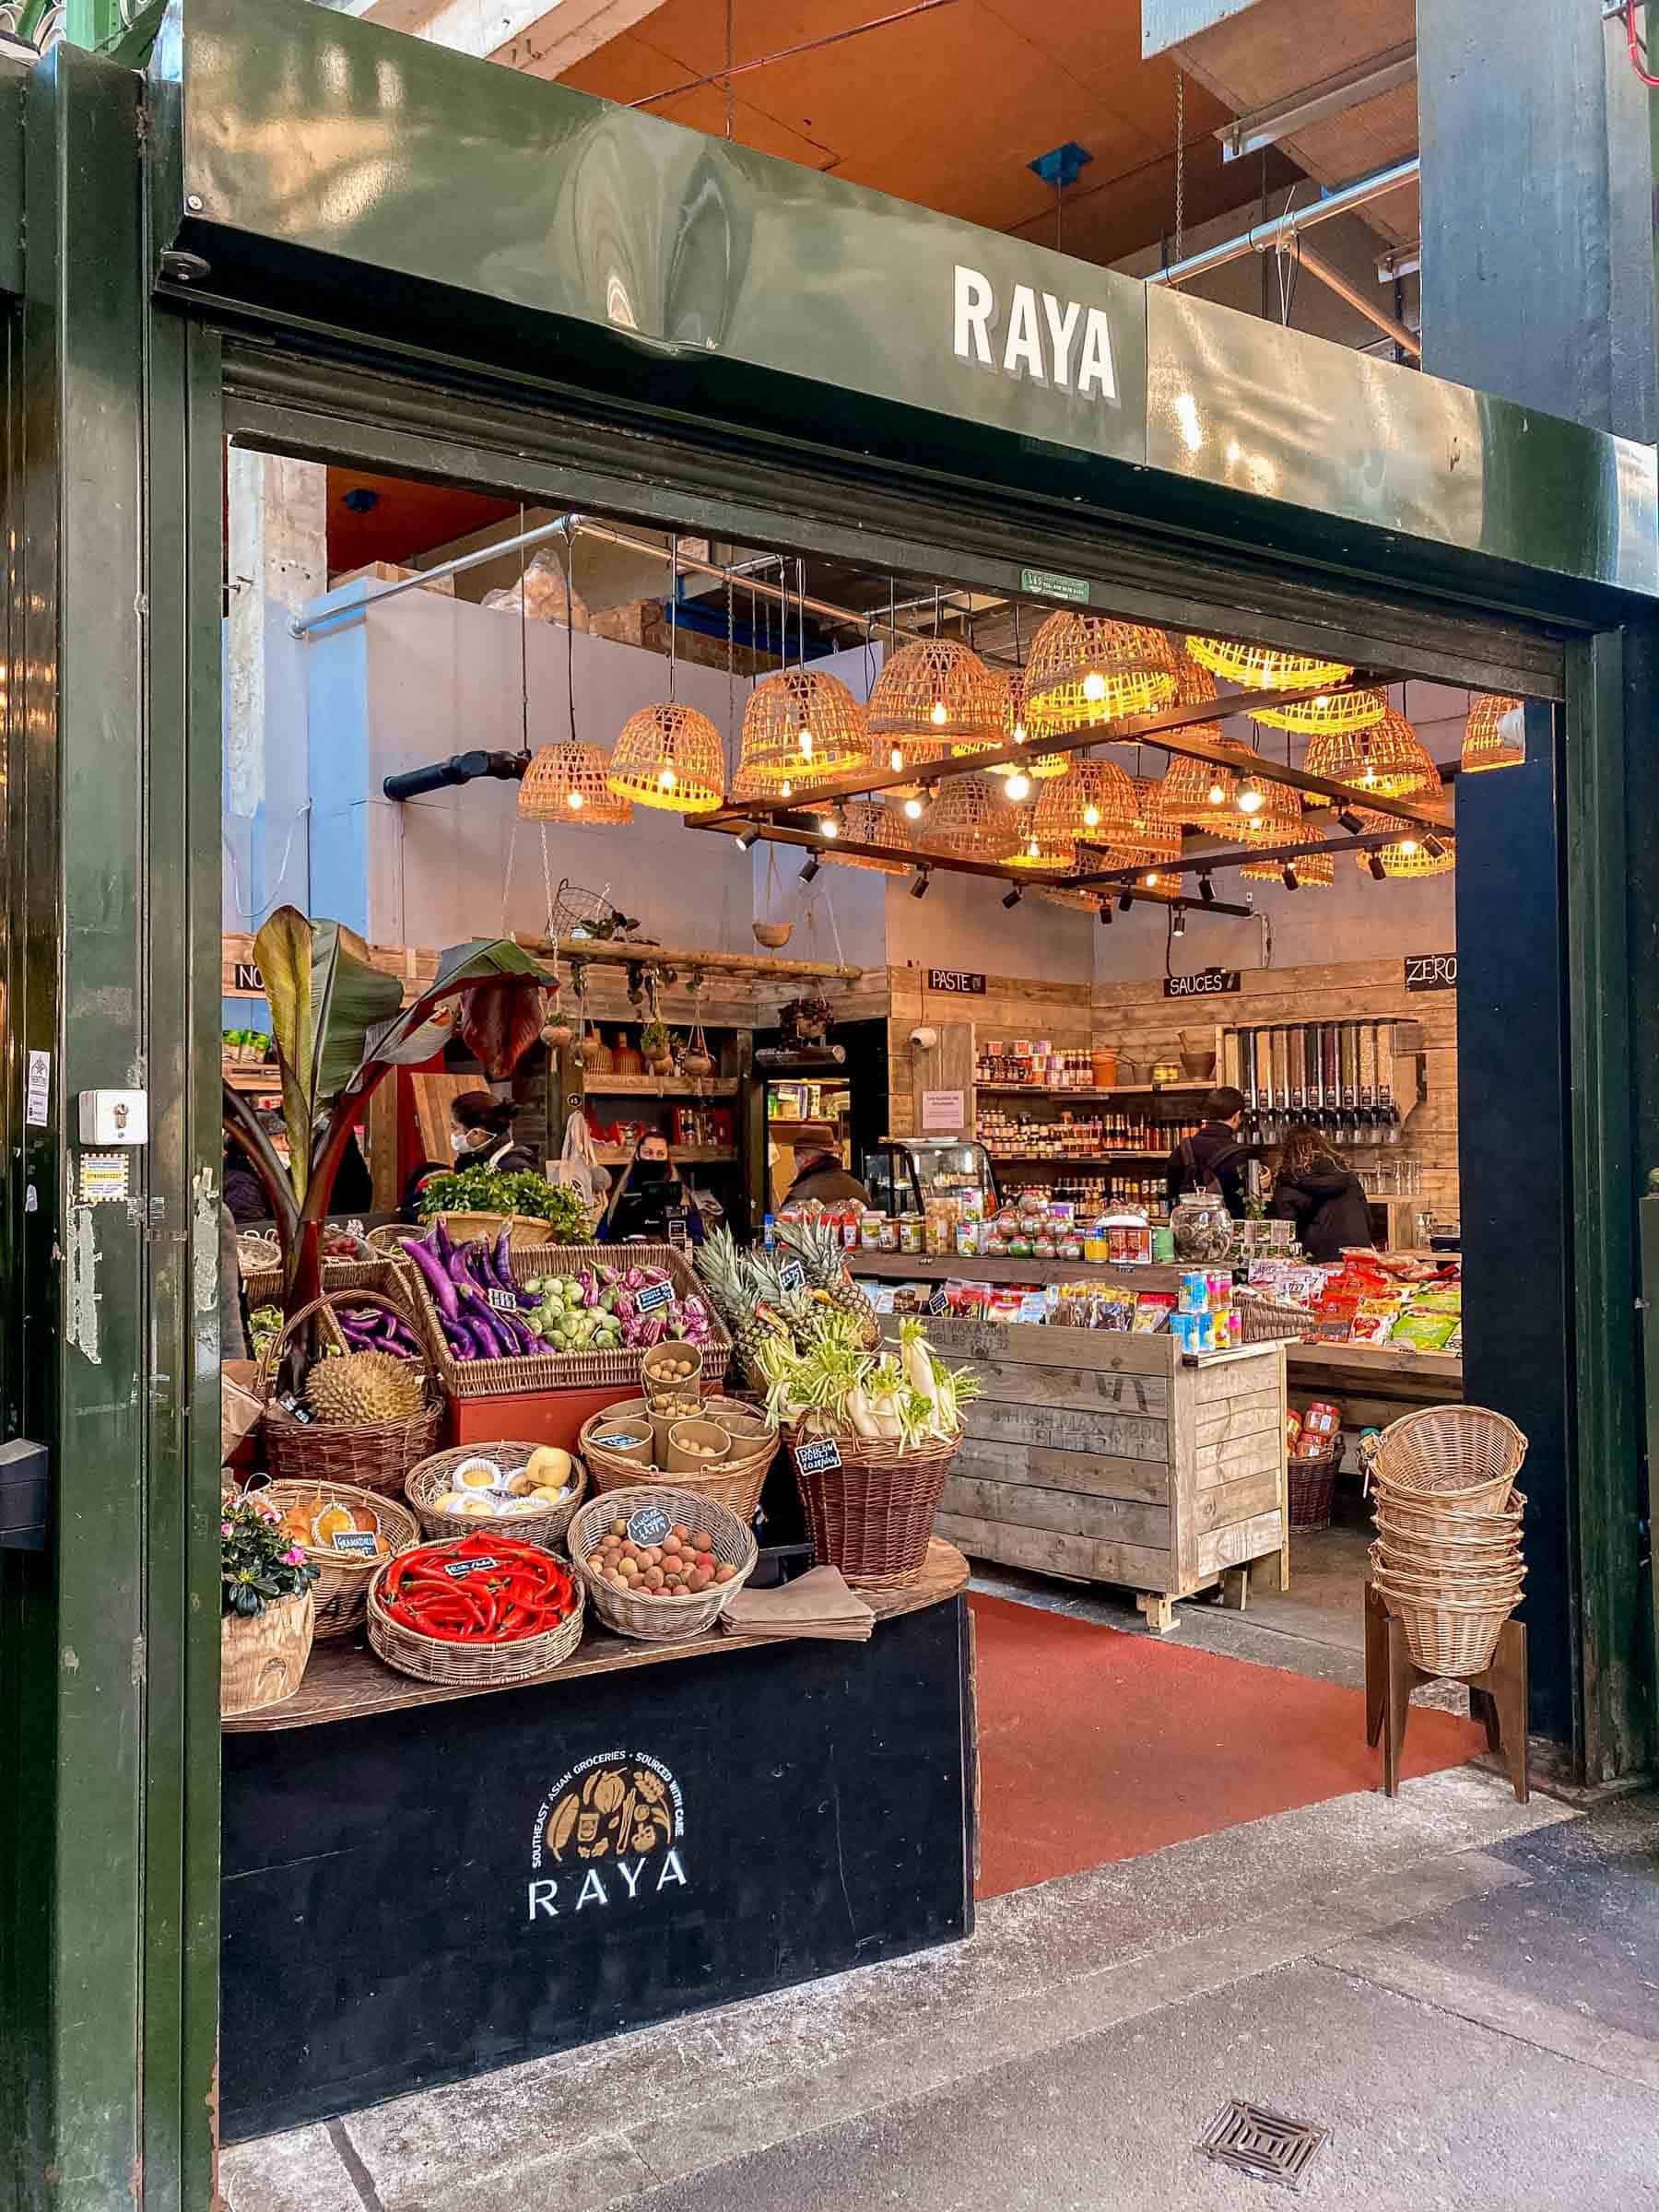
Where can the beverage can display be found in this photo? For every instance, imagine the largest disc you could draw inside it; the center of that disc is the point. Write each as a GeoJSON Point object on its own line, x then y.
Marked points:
{"type": "Point", "coordinates": [1194, 1293]}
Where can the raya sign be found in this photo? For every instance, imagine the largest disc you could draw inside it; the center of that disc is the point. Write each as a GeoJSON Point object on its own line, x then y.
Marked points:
{"type": "Point", "coordinates": [612, 1828]}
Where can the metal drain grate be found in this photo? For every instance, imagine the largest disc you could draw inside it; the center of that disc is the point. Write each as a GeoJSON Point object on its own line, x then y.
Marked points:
{"type": "Point", "coordinates": [1260, 2143]}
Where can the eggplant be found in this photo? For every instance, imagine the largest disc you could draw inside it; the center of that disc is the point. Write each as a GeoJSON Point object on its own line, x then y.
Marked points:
{"type": "Point", "coordinates": [437, 1277]}
{"type": "Point", "coordinates": [440, 1240]}
{"type": "Point", "coordinates": [503, 1260]}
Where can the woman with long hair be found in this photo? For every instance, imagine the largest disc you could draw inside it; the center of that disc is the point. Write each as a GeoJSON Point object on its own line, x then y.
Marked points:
{"type": "Point", "coordinates": [1321, 1194]}
{"type": "Point", "coordinates": [647, 1193]}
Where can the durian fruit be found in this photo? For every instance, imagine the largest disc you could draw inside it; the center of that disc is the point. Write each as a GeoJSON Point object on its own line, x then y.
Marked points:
{"type": "Point", "coordinates": [363, 1388]}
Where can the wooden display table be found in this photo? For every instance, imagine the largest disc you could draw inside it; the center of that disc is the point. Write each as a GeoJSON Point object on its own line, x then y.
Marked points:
{"type": "Point", "coordinates": [1110, 1458]}
{"type": "Point", "coordinates": [1373, 1383]}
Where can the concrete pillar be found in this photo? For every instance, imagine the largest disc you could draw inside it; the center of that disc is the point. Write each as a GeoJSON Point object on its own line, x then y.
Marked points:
{"type": "Point", "coordinates": [278, 559]}
{"type": "Point", "coordinates": [1538, 278]}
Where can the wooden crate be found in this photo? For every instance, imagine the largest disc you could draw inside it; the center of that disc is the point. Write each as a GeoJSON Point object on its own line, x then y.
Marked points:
{"type": "Point", "coordinates": [1104, 1456]}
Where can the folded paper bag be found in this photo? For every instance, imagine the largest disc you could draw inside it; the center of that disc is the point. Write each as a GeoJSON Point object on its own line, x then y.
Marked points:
{"type": "Point", "coordinates": [818, 1603]}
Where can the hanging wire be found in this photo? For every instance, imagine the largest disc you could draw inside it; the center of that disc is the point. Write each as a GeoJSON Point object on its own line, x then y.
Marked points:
{"type": "Point", "coordinates": [731, 28]}
{"type": "Point", "coordinates": [524, 648]}
{"type": "Point", "coordinates": [1180, 161]}
{"type": "Point", "coordinates": [732, 748]}
{"type": "Point", "coordinates": [570, 632]}
{"type": "Point", "coordinates": [673, 612]}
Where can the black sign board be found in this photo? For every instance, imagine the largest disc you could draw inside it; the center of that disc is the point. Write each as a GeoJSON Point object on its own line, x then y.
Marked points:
{"type": "Point", "coordinates": [1210, 983]}
{"type": "Point", "coordinates": [961, 982]}
{"type": "Point", "coordinates": [246, 976]}
{"type": "Point", "coordinates": [1430, 971]}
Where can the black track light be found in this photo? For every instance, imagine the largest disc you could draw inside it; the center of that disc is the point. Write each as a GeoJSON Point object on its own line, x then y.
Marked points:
{"type": "Point", "coordinates": [1376, 867]}
{"type": "Point", "coordinates": [1207, 891]}
{"type": "Point", "coordinates": [1350, 821]}
{"type": "Point", "coordinates": [747, 836]}
{"type": "Point", "coordinates": [919, 888]}
{"type": "Point", "coordinates": [1126, 901]}
{"type": "Point", "coordinates": [1292, 881]}
{"type": "Point", "coordinates": [1435, 850]}
{"type": "Point", "coordinates": [1178, 922]}
{"type": "Point", "coordinates": [813, 864]}
{"type": "Point", "coordinates": [1106, 913]}
{"type": "Point", "coordinates": [1012, 899]}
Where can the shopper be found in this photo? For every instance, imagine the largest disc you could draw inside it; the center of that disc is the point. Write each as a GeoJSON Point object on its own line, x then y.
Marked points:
{"type": "Point", "coordinates": [649, 1196]}
{"type": "Point", "coordinates": [1321, 1194]}
{"type": "Point", "coordinates": [1213, 1159]}
{"type": "Point", "coordinates": [480, 1136]}
{"type": "Point", "coordinates": [819, 1172]}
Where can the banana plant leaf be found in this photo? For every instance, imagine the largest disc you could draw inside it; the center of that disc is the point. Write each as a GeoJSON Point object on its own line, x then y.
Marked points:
{"type": "Point", "coordinates": [326, 996]}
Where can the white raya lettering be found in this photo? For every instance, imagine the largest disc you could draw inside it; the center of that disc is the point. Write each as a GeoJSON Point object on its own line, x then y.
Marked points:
{"type": "Point", "coordinates": [1024, 342]}
{"type": "Point", "coordinates": [1062, 329]}
{"type": "Point", "coordinates": [593, 1890]}
{"type": "Point", "coordinates": [671, 1871]}
{"type": "Point", "coordinates": [632, 1879]}
{"type": "Point", "coordinates": [979, 336]}
{"type": "Point", "coordinates": [541, 1899]}
{"type": "Point", "coordinates": [974, 302]}
{"type": "Point", "coordinates": [1096, 368]}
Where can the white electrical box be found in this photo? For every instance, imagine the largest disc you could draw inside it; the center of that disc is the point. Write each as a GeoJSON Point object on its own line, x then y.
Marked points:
{"type": "Point", "coordinates": [114, 1117]}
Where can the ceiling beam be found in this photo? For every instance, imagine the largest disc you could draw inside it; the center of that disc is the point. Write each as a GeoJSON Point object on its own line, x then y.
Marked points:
{"type": "Point", "coordinates": [1263, 127]}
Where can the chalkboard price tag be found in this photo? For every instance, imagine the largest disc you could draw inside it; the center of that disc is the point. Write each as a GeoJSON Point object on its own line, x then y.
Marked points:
{"type": "Point", "coordinates": [1430, 971]}
{"type": "Point", "coordinates": [502, 1301]}
{"type": "Point", "coordinates": [649, 1525]}
{"type": "Point", "coordinates": [456, 1568]}
{"type": "Point", "coordinates": [818, 1457]}
{"type": "Point", "coordinates": [1210, 982]}
{"type": "Point", "coordinates": [653, 1296]}
{"type": "Point", "coordinates": [359, 1542]}
{"type": "Point", "coordinates": [792, 1277]}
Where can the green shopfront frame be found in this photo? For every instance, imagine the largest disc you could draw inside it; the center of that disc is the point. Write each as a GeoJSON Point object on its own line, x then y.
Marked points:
{"type": "Point", "coordinates": [338, 243]}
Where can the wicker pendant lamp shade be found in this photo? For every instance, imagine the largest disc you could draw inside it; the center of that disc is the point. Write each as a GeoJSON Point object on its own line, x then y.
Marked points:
{"type": "Point", "coordinates": [1386, 759]}
{"type": "Point", "coordinates": [1199, 793]}
{"type": "Point", "coordinates": [668, 757]}
{"type": "Point", "coordinates": [799, 725]}
{"type": "Point", "coordinates": [1014, 732]}
{"type": "Point", "coordinates": [1325, 712]}
{"type": "Point", "coordinates": [939, 688]}
{"type": "Point", "coordinates": [1086, 668]}
{"type": "Point", "coordinates": [1495, 735]}
{"type": "Point", "coordinates": [1277, 821]}
{"type": "Point", "coordinates": [566, 782]}
{"type": "Point", "coordinates": [971, 820]}
{"type": "Point", "coordinates": [1150, 838]}
{"type": "Point", "coordinates": [1098, 802]}
{"type": "Point", "coordinates": [1263, 669]}
{"type": "Point", "coordinates": [1410, 856]}
{"type": "Point", "coordinates": [1039, 841]}
{"type": "Point", "coordinates": [1314, 871]}
{"type": "Point", "coordinates": [868, 822]}
{"type": "Point", "coordinates": [1085, 902]}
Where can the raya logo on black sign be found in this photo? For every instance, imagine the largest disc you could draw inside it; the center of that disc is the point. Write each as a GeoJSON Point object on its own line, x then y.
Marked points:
{"type": "Point", "coordinates": [611, 1831]}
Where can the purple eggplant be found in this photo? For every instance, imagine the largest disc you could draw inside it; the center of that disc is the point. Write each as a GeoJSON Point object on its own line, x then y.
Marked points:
{"type": "Point", "coordinates": [436, 1277]}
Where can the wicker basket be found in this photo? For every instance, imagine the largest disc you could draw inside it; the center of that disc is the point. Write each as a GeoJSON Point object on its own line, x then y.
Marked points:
{"type": "Point", "coordinates": [263, 1657]}
{"type": "Point", "coordinates": [431, 1478]}
{"type": "Point", "coordinates": [1270, 1320]}
{"type": "Point", "coordinates": [1310, 1485]}
{"type": "Point", "coordinates": [340, 1593]}
{"type": "Point", "coordinates": [662, 1619]}
{"type": "Point", "coordinates": [1460, 1458]}
{"type": "Point", "coordinates": [375, 1458]}
{"type": "Point", "coordinates": [1400, 1535]}
{"type": "Point", "coordinates": [1460, 1583]}
{"type": "Point", "coordinates": [1415, 1518]}
{"type": "Point", "coordinates": [736, 1484]}
{"type": "Point", "coordinates": [383, 1273]}
{"type": "Point", "coordinates": [470, 1666]}
{"type": "Point", "coordinates": [1445, 1636]}
{"type": "Point", "coordinates": [565, 1370]}
{"type": "Point", "coordinates": [872, 1515]}
{"type": "Point", "coordinates": [524, 1233]}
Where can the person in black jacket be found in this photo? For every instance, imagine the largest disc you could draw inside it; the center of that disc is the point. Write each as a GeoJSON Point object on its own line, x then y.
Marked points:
{"type": "Point", "coordinates": [1214, 1157]}
{"type": "Point", "coordinates": [1321, 1194]}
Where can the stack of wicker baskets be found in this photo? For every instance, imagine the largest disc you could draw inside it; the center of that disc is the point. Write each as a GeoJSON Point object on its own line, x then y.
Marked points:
{"type": "Point", "coordinates": [1447, 1560]}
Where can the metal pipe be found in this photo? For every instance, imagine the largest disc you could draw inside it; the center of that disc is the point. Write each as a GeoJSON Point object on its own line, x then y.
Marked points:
{"type": "Point", "coordinates": [1332, 278]}
{"type": "Point", "coordinates": [1264, 238]}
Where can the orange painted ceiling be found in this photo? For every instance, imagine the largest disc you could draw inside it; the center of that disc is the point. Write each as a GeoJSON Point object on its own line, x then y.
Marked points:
{"type": "Point", "coordinates": [947, 108]}
{"type": "Point", "coordinates": [406, 518]}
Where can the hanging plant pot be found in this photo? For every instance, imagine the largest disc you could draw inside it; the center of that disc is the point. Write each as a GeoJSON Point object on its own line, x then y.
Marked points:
{"type": "Point", "coordinates": [773, 933]}
{"type": "Point", "coordinates": [263, 1657]}
{"type": "Point", "coordinates": [698, 1065]}
{"type": "Point", "coordinates": [556, 1035]}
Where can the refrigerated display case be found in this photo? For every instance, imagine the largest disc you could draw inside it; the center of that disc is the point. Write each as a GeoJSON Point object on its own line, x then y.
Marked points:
{"type": "Point", "coordinates": [903, 1172]}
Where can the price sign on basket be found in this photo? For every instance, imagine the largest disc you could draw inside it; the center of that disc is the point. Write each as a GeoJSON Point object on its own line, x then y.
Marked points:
{"type": "Point", "coordinates": [502, 1301]}
{"type": "Point", "coordinates": [356, 1540]}
{"type": "Point", "coordinates": [818, 1457]}
{"type": "Point", "coordinates": [792, 1277]}
{"type": "Point", "coordinates": [653, 1296]}
{"type": "Point", "coordinates": [649, 1525]}
{"type": "Point", "coordinates": [459, 1566]}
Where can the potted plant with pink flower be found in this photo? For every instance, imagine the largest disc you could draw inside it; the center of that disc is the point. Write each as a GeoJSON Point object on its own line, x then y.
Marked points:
{"type": "Point", "coordinates": [266, 1617]}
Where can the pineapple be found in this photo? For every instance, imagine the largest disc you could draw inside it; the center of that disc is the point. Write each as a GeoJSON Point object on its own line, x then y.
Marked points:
{"type": "Point", "coordinates": [728, 1278]}
{"type": "Point", "coordinates": [817, 1246]}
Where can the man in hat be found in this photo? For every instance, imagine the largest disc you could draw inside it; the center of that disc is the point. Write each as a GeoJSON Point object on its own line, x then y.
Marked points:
{"type": "Point", "coordinates": [819, 1172]}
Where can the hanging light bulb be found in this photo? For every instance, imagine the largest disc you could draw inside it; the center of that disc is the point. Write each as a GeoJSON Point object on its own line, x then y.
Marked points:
{"type": "Point", "coordinates": [786, 789]}
{"type": "Point", "coordinates": [1019, 787]}
{"type": "Point", "coordinates": [804, 740]}
{"type": "Point", "coordinates": [828, 827]}
{"type": "Point", "coordinates": [1092, 816]}
{"type": "Point", "coordinates": [896, 758]}
{"type": "Point", "coordinates": [1251, 798]}
{"type": "Point", "coordinates": [1150, 879]}
{"type": "Point", "coordinates": [940, 714]}
{"type": "Point", "coordinates": [1094, 685]}
{"type": "Point", "coordinates": [1217, 794]}
{"type": "Point", "coordinates": [572, 797]}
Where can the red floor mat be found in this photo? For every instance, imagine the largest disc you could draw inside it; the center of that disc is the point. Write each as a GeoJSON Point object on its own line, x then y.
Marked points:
{"type": "Point", "coordinates": [1098, 1744]}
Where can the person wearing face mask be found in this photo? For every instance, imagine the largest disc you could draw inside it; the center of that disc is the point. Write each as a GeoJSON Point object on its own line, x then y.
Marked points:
{"type": "Point", "coordinates": [480, 1136]}
{"type": "Point", "coordinates": [648, 1196]}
